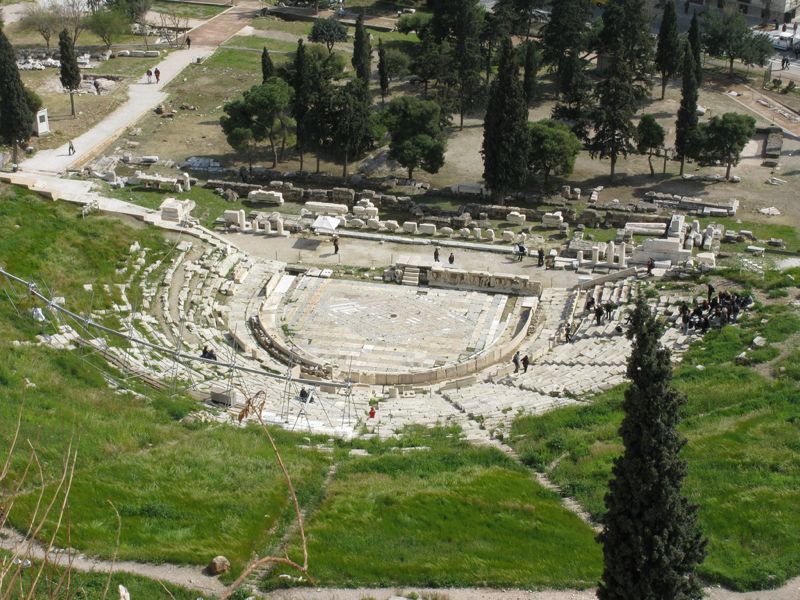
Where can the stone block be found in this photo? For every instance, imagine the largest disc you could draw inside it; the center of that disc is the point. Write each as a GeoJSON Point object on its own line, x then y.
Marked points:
{"type": "Point", "coordinates": [326, 208]}
{"type": "Point", "coordinates": [391, 225]}
{"type": "Point", "coordinates": [516, 218]}
{"type": "Point", "coordinates": [509, 236]}
{"type": "Point", "coordinates": [374, 224]}
{"type": "Point", "coordinates": [553, 219]}
{"type": "Point", "coordinates": [464, 232]}
{"type": "Point", "coordinates": [355, 223]}
{"type": "Point", "coordinates": [446, 231]}
{"type": "Point", "coordinates": [427, 229]}
{"type": "Point", "coordinates": [490, 235]}
{"type": "Point", "coordinates": [265, 197]}
{"type": "Point", "coordinates": [477, 233]}
{"type": "Point", "coordinates": [410, 227]}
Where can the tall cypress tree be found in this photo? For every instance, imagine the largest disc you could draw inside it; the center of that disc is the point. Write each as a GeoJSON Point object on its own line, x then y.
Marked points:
{"type": "Point", "coordinates": [651, 540]}
{"type": "Point", "coordinates": [531, 69]}
{"type": "Point", "coordinates": [383, 71]}
{"type": "Point", "coordinates": [565, 33]}
{"type": "Point", "coordinates": [505, 127]}
{"type": "Point", "coordinates": [362, 51]}
{"type": "Point", "coordinates": [303, 96]}
{"type": "Point", "coordinates": [70, 73]}
{"type": "Point", "coordinates": [668, 51]}
{"type": "Point", "coordinates": [626, 35]}
{"type": "Point", "coordinates": [267, 68]}
{"type": "Point", "coordinates": [686, 123]}
{"type": "Point", "coordinates": [695, 44]}
{"type": "Point", "coordinates": [616, 100]}
{"type": "Point", "coordinates": [351, 133]}
{"type": "Point", "coordinates": [16, 117]}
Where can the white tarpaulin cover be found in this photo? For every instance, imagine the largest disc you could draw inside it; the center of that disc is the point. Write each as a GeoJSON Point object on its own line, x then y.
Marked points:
{"type": "Point", "coordinates": [325, 225]}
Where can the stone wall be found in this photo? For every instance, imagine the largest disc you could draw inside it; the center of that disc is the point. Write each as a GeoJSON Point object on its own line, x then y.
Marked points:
{"type": "Point", "coordinates": [501, 283]}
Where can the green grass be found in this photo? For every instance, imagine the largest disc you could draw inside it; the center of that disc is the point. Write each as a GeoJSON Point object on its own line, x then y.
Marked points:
{"type": "Point", "coordinates": [209, 205]}
{"type": "Point", "coordinates": [762, 231]}
{"type": "Point", "coordinates": [127, 66]}
{"type": "Point", "coordinates": [190, 11]}
{"type": "Point", "coordinates": [446, 514]}
{"type": "Point", "coordinates": [298, 28]}
{"type": "Point", "coordinates": [185, 492]}
{"type": "Point", "coordinates": [743, 452]}
{"type": "Point", "coordinates": [255, 42]}
{"type": "Point", "coordinates": [239, 60]}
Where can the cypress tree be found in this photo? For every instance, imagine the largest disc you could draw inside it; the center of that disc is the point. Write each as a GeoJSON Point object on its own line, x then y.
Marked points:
{"type": "Point", "coordinates": [70, 73]}
{"type": "Point", "coordinates": [651, 540]}
{"type": "Point", "coordinates": [616, 100]}
{"type": "Point", "coordinates": [626, 36]}
{"type": "Point", "coordinates": [505, 127]}
{"type": "Point", "coordinates": [383, 71]}
{"type": "Point", "coordinates": [697, 49]}
{"type": "Point", "coordinates": [267, 68]}
{"type": "Point", "coordinates": [575, 104]}
{"type": "Point", "coordinates": [16, 116]}
{"type": "Point", "coordinates": [564, 34]}
{"type": "Point", "coordinates": [362, 51]}
{"type": "Point", "coordinates": [668, 51]}
{"type": "Point", "coordinates": [686, 123]}
{"type": "Point", "coordinates": [303, 93]}
{"type": "Point", "coordinates": [531, 69]}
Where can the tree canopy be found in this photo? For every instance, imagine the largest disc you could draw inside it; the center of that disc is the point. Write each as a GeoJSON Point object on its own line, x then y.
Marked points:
{"type": "Point", "coordinates": [505, 131]}
{"type": "Point", "coordinates": [649, 136]}
{"type": "Point", "coordinates": [696, 47]}
{"type": "Point", "coordinates": [352, 132]}
{"type": "Point", "coordinates": [258, 115]}
{"type": "Point", "coordinates": [686, 124]}
{"type": "Point", "coordinates": [668, 50]}
{"type": "Point", "coordinates": [328, 31]}
{"type": "Point", "coordinates": [108, 24]}
{"type": "Point", "coordinates": [70, 73]}
{"type": "Point", "coordinates": [362, 51]}
{"type": "Point", "coordinates": [552, 148]}
{"type": "Point", "coordinates": [652, 543]}
{"type": "Point", "coordinates": [727, 35]}
{"type": "Point", "coordinates": [531, 69]}
{"type": "Point", "coordinates": [564, 39]}
{"type": "Point", "coordinates": [16, 114]}
{"type": "Point", "coordinates": [417, 139]}
{"type": "Point", "coordinates": [723, 138]}
{"type": "Point", "coordinates": [267, 67]}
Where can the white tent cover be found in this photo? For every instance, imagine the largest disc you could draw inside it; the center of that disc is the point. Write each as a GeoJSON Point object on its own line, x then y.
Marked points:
{"type": "Point", "coordinates": [326, 225]}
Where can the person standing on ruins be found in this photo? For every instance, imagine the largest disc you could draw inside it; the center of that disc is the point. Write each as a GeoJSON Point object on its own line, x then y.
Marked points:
{"type": "Point", "coordinates": [516, 361]}
{"type": "Point", "coordinates": [540, 255]}
{"type": "Point", "coordinates": [436, 255]}
{"type": "Point", "coordinates": [525, 362]}
{"type": "Point", "coordinates": [336, 244]}
{"type": "Point", "coordinates": [711, 291]}
{"type": "Point", "coordinates": [452, 258]}
{"type": "Point", "coordinates": [598, 313]}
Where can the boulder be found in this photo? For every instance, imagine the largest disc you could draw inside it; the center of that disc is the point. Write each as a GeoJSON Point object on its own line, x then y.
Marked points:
{"type": "Point", "coordinates": [219, 565]}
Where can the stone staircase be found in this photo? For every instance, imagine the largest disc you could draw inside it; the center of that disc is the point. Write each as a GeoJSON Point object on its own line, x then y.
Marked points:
{"type": "Point", "coordinates": [410, 276]}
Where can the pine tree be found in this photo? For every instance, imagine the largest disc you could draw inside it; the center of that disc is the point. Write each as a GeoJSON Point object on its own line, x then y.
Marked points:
{"type": "Point", "coordinates": [531, 69]}
{"type": "Point", "coordinates": [668, 52]}
{"type": "Point", "coordinates": [70, 73]}
{"type": "Point", "coordinates": [362, 51]}
{"type": "Point", "coordinates": [565, 34]}
{"type": "Point", "coordinates": [16, 117]}
{"type": "Point", "coordinates": [686, 123]}
{"type": "Point", "coordinates": [505, 127]}
{"type": "Point", "coordinates": [383, 71]}
{"type": "Point", "coordinates": [267, 68]}
{"type": "Point", "coordinates": [651, 540]}
{"type": "Point", "coordinates": [696, 49]}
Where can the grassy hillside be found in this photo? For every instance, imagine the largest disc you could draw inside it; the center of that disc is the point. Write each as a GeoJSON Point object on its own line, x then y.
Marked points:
{"type": "Point", "coordinates": [743, 430]}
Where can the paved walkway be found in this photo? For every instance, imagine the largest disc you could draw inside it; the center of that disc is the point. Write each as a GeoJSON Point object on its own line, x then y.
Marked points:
{"type": "Point", "coordinates": [143, 96]}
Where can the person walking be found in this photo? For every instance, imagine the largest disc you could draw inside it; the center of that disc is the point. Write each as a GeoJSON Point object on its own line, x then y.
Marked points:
{"type": "Point", "coordinates": [149, 76]}
{"type": "Point", "coordinates": [157, 73]}
{"type": "Point", "coordinates": [540, 256]}
{"type": "Point", "coordinates": [516, 361]}
{"type": "Point", "coordinates": [71, 148]}
{"type": "Point", "coordinates": [336, 244]}
{"type": "Point", "coordinates": [436, 255]}
{"type": "Point", "coordinates": [525, 362]}
{"type": "Point", "coordinates": [598, 313]}
{"type": "Point", "coordinates": [452, 258]}
{"type": "Point", "coordinates": [188, 43]}
{"type": "Point", "coordinates": [650, 264]}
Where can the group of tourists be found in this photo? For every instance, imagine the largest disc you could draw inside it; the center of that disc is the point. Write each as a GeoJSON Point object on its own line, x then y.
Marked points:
{"type": "Point", "coordinates": [600, 311]}
{"type": "Point", "coordinates": [151, 74]}
{"type": "Point", "coordinates": [717, 310]}
{"type": "Point", "coordinates": [450, 259]}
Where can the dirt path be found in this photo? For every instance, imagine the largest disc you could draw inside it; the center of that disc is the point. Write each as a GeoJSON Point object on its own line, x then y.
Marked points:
{"type": "Point", "coordinates": [182, 575]}
{"type": "Point", "coordinates": [219, 29]}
